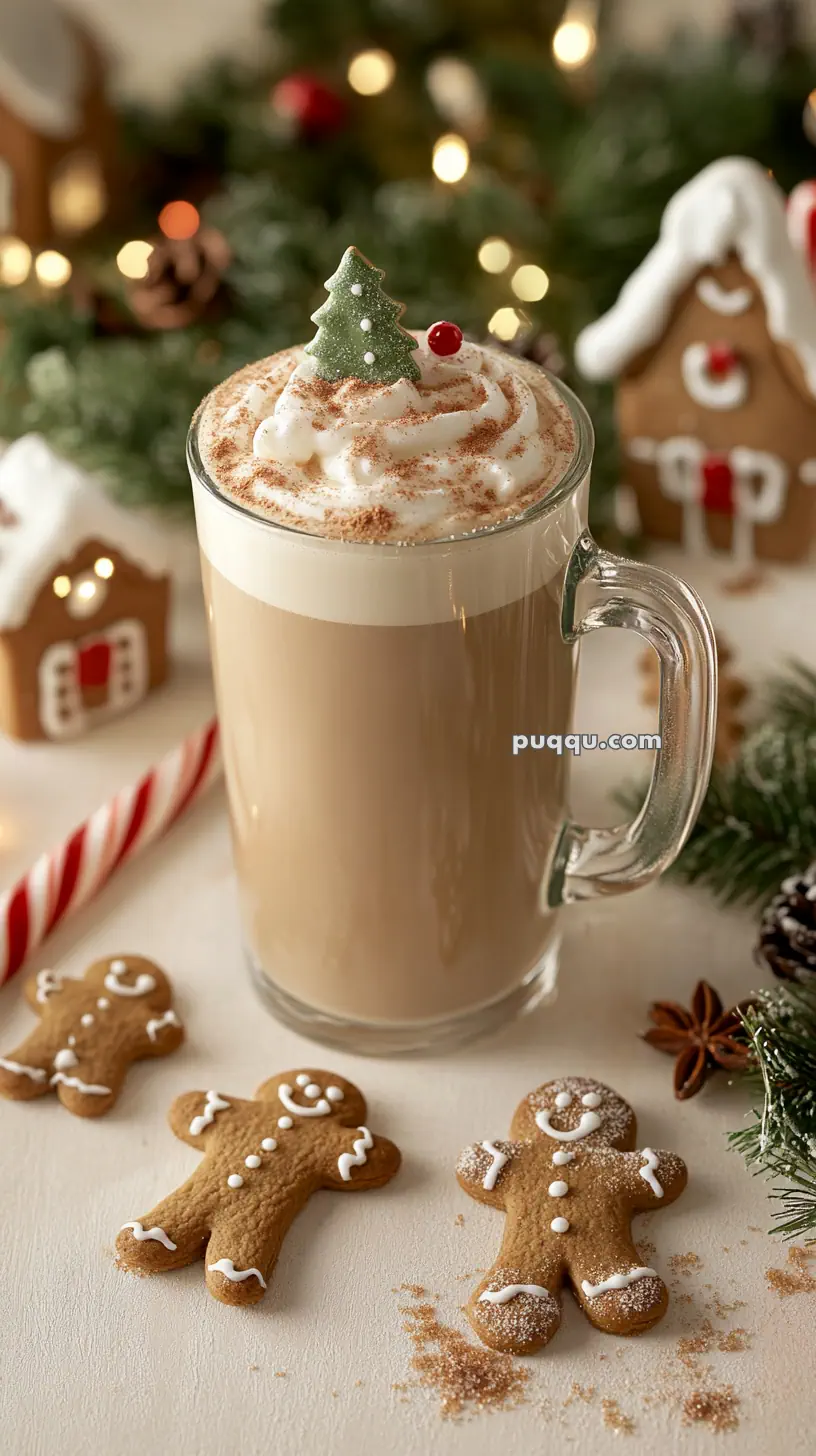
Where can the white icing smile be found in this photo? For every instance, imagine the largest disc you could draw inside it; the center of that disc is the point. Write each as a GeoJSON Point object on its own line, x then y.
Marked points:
{"type": "Point", "coordinates": [589, 1122]}
{"type": "Point", "coordinates": [321, 1108]}
{"type": "Point", "coordinates": [727, 393]}
{"type": "Point", "coordinates": [141, 986]}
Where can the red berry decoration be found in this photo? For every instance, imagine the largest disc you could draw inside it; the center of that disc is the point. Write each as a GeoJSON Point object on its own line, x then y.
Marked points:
{"type": "Point", "coordinates": [444, 338]}
{"type": "Point", "coordinates": [306, 100]}
{"type": "Point", "coordinates": [721, 360]}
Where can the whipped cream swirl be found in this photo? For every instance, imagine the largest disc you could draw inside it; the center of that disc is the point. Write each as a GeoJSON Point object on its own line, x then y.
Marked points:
{"type": "Point", "coordinates": [477, 438]}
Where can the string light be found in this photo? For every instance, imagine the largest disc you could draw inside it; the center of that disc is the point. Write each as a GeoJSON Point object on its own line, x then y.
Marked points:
{"type": "Point", "coordinates": [371, 72]}
{"type": "Point", "coordinates": [77, 198]}
{"type": "Point", "coordinates": [451, 158]}
{"type": "Point", "coordinates": [133, 259]}
{"type": "Point", "coordinates": [529, 282]}
{"type": "Point", "coordinates": [505, 324]}
{"type": "Point", "coordinates": [575, 39]}
{"type": "Point", "coordinates": [179, 220]}
{"type": "Point", "coordinates": [61, 586]}
{"type": "Point", "coordinates": [103, 566]}
{"type": "Point", "coordinates": [494, 255]}
{"type": "Point", "coordinates": [15, 261]}
{"type": "Point", "coordinates": [52, 269]}
{"type": "Point", "coordinates": [457, 93]}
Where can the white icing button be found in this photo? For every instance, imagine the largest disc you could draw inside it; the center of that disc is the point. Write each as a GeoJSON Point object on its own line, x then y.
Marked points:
{"type": "Point", "coordinates": [559, 1225]}
{"type": "Point", "coordinates": [366, 325]}
{"type": "Point", "coordinates": [103, 1003]}
{"type": "Point", "coordinates": [303, 1080]}
{"type": "Point", "coordinates": [334, 1094]}
{"type": "Point", "coordinates": [253, 1161]}
{"type": "Point", "coordinates": [591, 1099]}
{"type": "Point", "coordinates": [563, 1099]}
{"type": "Point", "coordinates": [368, 357]}
{"type": "Point", "coordinates": [285, 1123]}
{"type": "Point", "coordinates": [561, 1156]}
{"type": "Point", "coordinates": [118, 966]}
{"type": "Point", "coordinates": [235, 1180]}
{"type": "Point", "coordinates": [269, 1145]}
{"type": "Point", "coordinates": [87, 1019]}
{"type": "Point", "coordinates": [312, 1090]}
{"type": "Point", "coordinates": [356, 289]}
{"type": "Point", "coordinates": [558, 1188]}
{"type": "Point", "coordinates": [72, 1041]}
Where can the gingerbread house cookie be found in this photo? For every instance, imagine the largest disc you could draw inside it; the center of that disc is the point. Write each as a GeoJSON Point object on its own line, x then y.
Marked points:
{"type": "Point", "coordinates": [713, 344]}
{"type": "Point", "coordinates": [84, 596]}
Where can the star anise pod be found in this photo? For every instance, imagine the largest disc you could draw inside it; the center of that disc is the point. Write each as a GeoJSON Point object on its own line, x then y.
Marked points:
{"type": "Point", "coordinates": [703, 1038]}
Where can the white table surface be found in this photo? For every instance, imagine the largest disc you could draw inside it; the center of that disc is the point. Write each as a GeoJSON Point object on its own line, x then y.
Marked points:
{"type": "Point", "coordinates": [93, 1361]}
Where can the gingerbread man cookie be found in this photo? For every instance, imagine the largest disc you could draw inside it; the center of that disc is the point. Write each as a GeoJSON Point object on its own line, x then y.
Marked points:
{"type": "Point", "coordinates": [569, 1183]}
{"type": "Point", "coordinates": [89, 1033]}
{"type": "Point", "coordinates": [263, 1159]}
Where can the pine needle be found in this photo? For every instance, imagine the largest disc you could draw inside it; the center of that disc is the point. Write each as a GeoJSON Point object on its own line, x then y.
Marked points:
{"type": "Point", "coordinates": [780, 1142]}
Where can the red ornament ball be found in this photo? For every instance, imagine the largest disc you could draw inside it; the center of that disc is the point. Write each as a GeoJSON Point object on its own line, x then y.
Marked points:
{"type": "Point", "coordinates": [444, 338]}
{"type": "Point", "coordinates": [307, 101]}
{"type": "Point", "coordinates": [722, 359]}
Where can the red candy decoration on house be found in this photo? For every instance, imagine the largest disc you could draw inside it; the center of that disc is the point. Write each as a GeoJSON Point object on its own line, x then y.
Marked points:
{"type": "Point", "coordinates": [444, 338]}
{"type": "Point", "coordinates": [722, 359]}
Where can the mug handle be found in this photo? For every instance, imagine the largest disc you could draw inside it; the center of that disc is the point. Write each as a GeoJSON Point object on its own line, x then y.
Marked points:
{"type": "Point", "coordinates": [604, 590]}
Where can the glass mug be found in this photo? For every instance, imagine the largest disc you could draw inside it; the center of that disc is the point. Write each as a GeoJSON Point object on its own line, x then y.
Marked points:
{"type": "Point", "coordinates": [400, 870]}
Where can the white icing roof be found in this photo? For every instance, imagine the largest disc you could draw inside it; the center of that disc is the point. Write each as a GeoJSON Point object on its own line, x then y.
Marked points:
{"type": "Point", "coordinates": [731, 206]}
{"type": "Point", "coordinates": [41, 66]}
{"type": "Point", "coordinates": [58, 507]}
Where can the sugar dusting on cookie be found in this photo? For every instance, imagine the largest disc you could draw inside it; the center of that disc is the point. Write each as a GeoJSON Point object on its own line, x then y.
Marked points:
{"type": "Point", "coordinates": [463, 1375]}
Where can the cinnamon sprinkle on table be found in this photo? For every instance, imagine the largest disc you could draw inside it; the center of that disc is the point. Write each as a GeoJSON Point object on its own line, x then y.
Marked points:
{"type": "Point", "coordinates": [797, 1277]}
{"type": "Point", "coordinates": [718, 1408]}
{"type": "Point", "coordinates": [463, 1375]}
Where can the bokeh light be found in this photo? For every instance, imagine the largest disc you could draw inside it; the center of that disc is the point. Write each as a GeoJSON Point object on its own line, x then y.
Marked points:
{"type": "Point", "coordinates": [179, 220]}
{"type": "Point", "coordinates": [505, 324]}
{"type": "Point", "coordinates": [371, 72]}
{"type": "Point", "coordinates": [573, 44]}
{"type": "Point", "coordinates": [15, 261]}
{"type": "Point", "coordinates": [529, 282]}
{"type": "Point", "coordinates": [451, 158]}
{"type": "Point", "coordinates": [52, 268]}
{"type": "Point", "coordinates": [494, 255]}
{"type": "Point", "coordinates": [133, 259]}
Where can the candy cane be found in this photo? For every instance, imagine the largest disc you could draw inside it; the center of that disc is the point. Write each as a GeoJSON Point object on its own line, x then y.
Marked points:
{"type": "Point", "coordinates": [68, 876]}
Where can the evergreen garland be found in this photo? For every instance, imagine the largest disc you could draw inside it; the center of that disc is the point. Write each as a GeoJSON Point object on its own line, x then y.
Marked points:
{"type": "Point", "coordinates": [757, 825]}
{"type": "Point", "coordinates": [780, 1142]}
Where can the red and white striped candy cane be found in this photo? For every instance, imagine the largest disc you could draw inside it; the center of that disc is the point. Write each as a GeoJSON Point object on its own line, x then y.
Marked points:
{"type": "Point", "coordinates": [68, 876]}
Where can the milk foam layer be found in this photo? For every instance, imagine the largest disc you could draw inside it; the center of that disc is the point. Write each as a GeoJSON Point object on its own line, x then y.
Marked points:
{"type": "Point", "coordinates": [478, 439]}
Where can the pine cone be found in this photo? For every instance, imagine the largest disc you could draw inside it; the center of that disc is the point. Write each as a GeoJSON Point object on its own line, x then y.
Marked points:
{"type": "Point", "coordinates": [787, 934]}
{"type": "Point", "coordinates": [184, 282]}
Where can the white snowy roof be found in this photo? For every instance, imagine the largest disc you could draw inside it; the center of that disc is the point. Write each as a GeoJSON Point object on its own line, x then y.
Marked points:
{"type": "Point", "coordinates": [731, 206]}
{"type": "Point", "coordinates": [41, 66]}
{"type": "Point", "coordinates": [55, 508]}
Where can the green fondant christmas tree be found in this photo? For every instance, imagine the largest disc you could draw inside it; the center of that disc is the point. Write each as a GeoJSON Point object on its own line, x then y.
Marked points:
{"type": "Point", "coordinates": [359, 335]}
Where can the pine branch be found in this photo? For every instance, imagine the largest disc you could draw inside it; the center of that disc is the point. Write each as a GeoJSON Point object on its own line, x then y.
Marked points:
{"type": "Point", "coordinates": [780, 1142]}
{"type": "Point", "coordinates": [791, 700]}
